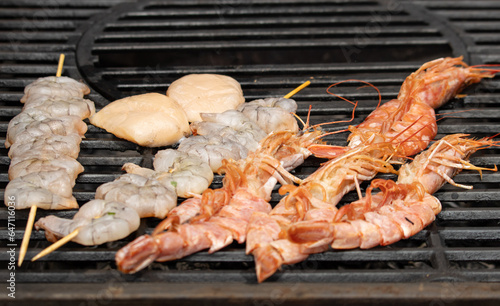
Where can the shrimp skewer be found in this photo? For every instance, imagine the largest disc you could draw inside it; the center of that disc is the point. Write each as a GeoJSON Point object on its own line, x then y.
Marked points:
{"type": "Point", "coordinates": [407, 123]}
{"type": "Point", "coordinates": [314, 199]}
{"type": "Point", "coordinates": [36, 179]}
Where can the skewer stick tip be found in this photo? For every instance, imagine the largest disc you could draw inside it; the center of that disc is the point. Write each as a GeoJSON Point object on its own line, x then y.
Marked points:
{"type": "Point", "coordinates": [27, 235]}
{"type": "Point", "coordinates": [60, 65]}
{"type": "Point", "coordinates": [57, 244]}
{"type": "Point", "coordinates": [296, 90]}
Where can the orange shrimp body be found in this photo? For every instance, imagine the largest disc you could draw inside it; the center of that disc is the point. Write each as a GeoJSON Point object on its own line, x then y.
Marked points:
{"type": "Point", "coordinates": [409, 121]}
{"type": "Point", "coordinates": [314, 199]}
{"type": "Point", "coordinates": [410, 126]}
{"type": "Point", "coordinates": [444, 159]}
{"type": "Point", "coordinates": [438, 81]}
{"type": "Point", "coordinates": [221, 216]}
{"type": "Point", "coordinates": [401, 209]}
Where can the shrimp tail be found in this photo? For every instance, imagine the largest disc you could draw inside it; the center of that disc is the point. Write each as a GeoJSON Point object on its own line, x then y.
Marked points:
{"type": "Point", "coordinates": [138, 254]}
{"type": "Point", "coordinates": [267, 262]}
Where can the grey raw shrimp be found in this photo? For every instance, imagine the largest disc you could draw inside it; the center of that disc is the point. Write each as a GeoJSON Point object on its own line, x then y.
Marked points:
{"type": "Point", "coordinates": [55, 87]}
{"type": "Point", "coordinates": [272, 114]}
{"type": "Point", "coordinates": [97, 221]}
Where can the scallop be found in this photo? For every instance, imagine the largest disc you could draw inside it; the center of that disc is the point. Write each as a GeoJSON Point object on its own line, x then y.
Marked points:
{"type": "Point", "coordinates": [150, 120]}
{"type": "Point", "coordinates": [206, 93]}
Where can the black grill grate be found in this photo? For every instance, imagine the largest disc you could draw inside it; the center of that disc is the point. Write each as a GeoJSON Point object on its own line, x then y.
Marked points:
{"type": "Point", "coordinates": [270, 47]}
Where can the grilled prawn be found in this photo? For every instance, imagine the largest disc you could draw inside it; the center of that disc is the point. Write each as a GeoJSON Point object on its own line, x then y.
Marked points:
{"type": "Point", "coordinates": [401, 209]}
{"type": "Point", "coordinates": [409, 121]}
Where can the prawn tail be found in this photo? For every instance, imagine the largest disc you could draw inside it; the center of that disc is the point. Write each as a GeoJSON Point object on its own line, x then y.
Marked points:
{"type": "Point", "coordinates": [261, 229]}
{"type": "Point", "coordinates": [267, 261]}
{"type": "Point", "coordinates": [137, 255]}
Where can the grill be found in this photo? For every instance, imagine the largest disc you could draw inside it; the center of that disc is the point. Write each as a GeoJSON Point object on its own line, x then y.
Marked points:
{"type": "Point", "coordinates": [121, 48]}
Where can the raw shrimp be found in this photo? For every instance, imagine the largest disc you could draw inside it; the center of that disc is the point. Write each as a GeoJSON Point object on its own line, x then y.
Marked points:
{"type": "Point", "coordinates": [237, 121]}
{"type": "Point", "coordinates": [443, 160]}
{"type": "Point", "coordinates": [147, 196]}
{"type": "Point", "coordinates": [407, 122]}
{"type": "Point", "coordinates": [34, 123]}
{"type": "Point", "coordinates": [54, 87]}
{"type": "Point", "coordinates": [246, 139]}
{"type": "Point", "coordinates": [58, 107]}
{"type": "Point", "coordinates": [230, 124]}
{"type": "Point", "coordinates": [20, 166]}
{"type": "Point", "coordinates": [412, 126]}
{"type": "Point", "coordinates": [49, 145]}
{"type": "Point", "coordinates": [45, 189]}
{"type": "Point", "coordinates": [98, 222]}
{"type": "Point", "coordinates": [188, 174]}
{"type": "Point", "coordinates": [232, 134]}
{"type": "Point", "coordinates": [272, 114]}
{"type": "Point", "coordinates": [220, 216]}
{"type": "Point", "coordinates": [213, 149]}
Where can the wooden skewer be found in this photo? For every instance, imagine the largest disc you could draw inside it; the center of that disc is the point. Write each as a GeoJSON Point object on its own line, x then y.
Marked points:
{"type": "Point", "coordinates": [60, 65]}
{"type": "Point", "coordinates": [296, 90]}
{"type": "Point", "coordinates": [31, 217]}
{"type": "Point", "coordinates": [27, 235]}
{"type": "Point", "coordinates": [57, 244]}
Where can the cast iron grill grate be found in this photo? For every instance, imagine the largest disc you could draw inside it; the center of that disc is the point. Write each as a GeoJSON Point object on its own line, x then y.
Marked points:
{"type": "Point", "coordinates": [122, 48]}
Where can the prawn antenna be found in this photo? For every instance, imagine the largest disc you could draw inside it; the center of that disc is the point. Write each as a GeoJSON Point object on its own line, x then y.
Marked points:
{"type": "Point", "coordinates": [485, 67]}
{"type": "Point", "coordinates": [339, 121]}
{"type": "Point", "coordinates": [355, 80]}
